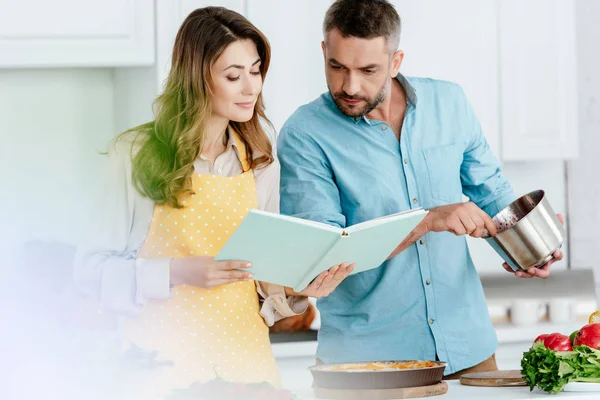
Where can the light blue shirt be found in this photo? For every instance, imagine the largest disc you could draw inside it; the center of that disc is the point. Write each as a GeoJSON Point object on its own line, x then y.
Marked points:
{"type": "Point", "coordinates": [426, 302]}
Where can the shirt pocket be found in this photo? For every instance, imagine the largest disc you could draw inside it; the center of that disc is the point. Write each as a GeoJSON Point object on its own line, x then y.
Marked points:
{"type": "Point", "coordinates": [443, 169]}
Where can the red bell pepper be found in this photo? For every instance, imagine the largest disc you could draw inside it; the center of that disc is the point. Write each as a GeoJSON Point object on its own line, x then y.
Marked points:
{"type": "Point", "coordinates": [558, 342]}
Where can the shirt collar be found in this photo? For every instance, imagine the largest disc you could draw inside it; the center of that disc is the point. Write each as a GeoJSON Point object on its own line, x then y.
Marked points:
{"type": "Point", "coordinates": [232, 138]}
{"type": "Point", "coordinates": [232, 142]}
{"type": "Point", "coordinates": [411, 93]}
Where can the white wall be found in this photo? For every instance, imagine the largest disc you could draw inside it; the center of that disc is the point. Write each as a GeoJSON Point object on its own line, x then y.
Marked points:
{"type": "Point", "coordinates": [52, 125]}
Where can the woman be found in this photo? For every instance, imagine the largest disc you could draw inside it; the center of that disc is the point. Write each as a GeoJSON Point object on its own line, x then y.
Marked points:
{"type": "Point", "coordinates": [177, 188]}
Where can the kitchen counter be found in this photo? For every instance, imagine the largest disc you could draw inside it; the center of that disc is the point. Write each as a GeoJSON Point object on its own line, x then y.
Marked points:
{"type": "Point", "coordinates": [294, 358]}
{"type": "Point", "coordinates": [456, 391]}
{"type": "Point", "coordinates": [305, 344]}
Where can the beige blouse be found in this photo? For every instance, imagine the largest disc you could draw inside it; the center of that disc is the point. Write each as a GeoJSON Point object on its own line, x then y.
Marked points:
{"type": "Point", "coordinates": [106, 264]}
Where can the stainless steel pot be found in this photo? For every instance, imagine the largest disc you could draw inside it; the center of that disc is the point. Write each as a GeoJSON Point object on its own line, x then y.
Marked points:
{"type": "Point", "coordinates": [529, 232]}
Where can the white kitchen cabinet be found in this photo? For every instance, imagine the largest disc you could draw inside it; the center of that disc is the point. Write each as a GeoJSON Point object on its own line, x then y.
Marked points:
{"type": "Point", "coordinates": [76, 33]}
{"type": "Point", "coordinates": [455, 41]}
{"type": "Point", "coordinates": [515, 60]}
{"type": "Point", "coordinates": [136, 88]}
{"type": "Point", "coordinates": [297, 74]}
{"type": "Point", "coordinates": [170, 14]}
{"type": "Point", "coordinates": [539, 81]}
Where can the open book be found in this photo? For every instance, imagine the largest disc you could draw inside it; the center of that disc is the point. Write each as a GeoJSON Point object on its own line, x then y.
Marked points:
{"type": "Point", "coordinates": [292, 251]}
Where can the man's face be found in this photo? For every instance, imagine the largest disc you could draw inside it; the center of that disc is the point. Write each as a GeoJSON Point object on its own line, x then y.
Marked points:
{"type": "Point", "coordinates": [358, 72]}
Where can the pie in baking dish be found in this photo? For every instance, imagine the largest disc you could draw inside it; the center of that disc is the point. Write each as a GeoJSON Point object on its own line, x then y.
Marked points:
{"type": "Point", "coordinates": [379, 366]}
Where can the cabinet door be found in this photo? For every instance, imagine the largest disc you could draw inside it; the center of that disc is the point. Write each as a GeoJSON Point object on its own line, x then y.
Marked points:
{"type": "Point", "coordinates": [538, 79]}
{"type": "Point", "coordinates": [170, 15]}
{"type": "Point", "coordinates": [73, 33]}
{"type": "Point", "coordinates": [455, 41]}
{"type": "Point", "coordinates": [296, 75]}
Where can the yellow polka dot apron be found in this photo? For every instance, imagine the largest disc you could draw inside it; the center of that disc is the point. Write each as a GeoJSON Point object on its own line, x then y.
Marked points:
{"type": "Point", "coordinates": [204, 333]}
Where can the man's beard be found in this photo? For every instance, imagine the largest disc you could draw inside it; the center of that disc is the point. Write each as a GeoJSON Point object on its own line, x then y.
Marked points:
{"type": "Point", "coordinates": [370, 105]}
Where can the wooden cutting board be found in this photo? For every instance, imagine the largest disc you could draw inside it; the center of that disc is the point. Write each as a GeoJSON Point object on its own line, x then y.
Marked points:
{"type": "Point", "coordinates": [382, 394]}
{"type": "Point", "coordinates": [493, 378]}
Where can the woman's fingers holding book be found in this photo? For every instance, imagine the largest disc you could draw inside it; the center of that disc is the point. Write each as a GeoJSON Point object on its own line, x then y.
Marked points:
{"type": "Point", "coordinates": [318, 280]}
{"type": "Point", "coordinates": [313, 288]}
{"type": "Point", "coordinates": [229, 272]}
{"type": "Point", "coordinates": [205, 272]}
{"type": "Point", "coordinates": [232, 264]}
{"type": "Point", "coordinates": [341, 273]}
{"type": "Point", "coordinates": [232, 275]}
{"type": "Point", "coordinates": [327, 281]}
{"type": "Point", "coordinates": [336, 275]}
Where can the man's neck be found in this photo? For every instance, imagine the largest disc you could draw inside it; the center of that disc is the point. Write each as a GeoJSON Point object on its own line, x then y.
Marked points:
{"type": "Point", "coordinates": [392, 106]}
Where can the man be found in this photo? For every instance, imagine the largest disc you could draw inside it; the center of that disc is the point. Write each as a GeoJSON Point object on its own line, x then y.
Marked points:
{"type": "Point", "coordinates": [378, 143]}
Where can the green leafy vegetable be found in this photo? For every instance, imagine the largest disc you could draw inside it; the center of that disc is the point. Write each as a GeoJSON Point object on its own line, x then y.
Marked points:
{"type": "Point", "coordinates": [551, 370]}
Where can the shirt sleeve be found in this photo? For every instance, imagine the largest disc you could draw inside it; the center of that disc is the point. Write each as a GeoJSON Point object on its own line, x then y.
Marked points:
{"type": "Point", "coordinates": [105, 265]}
{"type": "Point", "coordinates": [480, 172]}
{"type": "Point", "coordinates": [308, 189]}
{"type": "Point", "coordinates": [275, 305]}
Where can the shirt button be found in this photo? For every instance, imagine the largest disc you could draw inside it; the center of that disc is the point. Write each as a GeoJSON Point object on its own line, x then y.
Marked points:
{"type": "Point", "coordinates": [383, 127]}
{"type": "Point", "coordinates": [415, 201]}
{"type": "Point", "coordinates": [405, 161]}
{"type": "Point", "coordinates": [421, 241]}
{"type": "Point", "coordinates": [219, 170]}
{"type": "Point", "coordinates": [431, 321]}
{"type": "Point", "coordinates": [428, 282]}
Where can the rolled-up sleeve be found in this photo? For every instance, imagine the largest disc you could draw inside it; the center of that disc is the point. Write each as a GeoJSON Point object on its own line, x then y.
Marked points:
{"type": "Point", "coordinates": [105, 265]}
{"type": "Point", "coordinates": [276, 305]}
{"type": "Point", "coordinates": [480, 172]}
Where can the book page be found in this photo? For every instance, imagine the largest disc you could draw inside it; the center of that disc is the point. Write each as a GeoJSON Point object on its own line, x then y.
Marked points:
{"type": "Point", "coordinates": [384, 220]}
{"type": "Point", "coordinates": [281, 250]}
{"type": "Point", "coordinates": [371, 245]}
{"type": "Point", "coordinates": [300, 221]}
{"type": "Point", "coordinates": [315, 269]}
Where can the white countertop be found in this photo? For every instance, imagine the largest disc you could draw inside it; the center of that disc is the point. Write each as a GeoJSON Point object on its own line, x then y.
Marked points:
{"type": "Point", "coordinates": [295, 349]}
{"type": "Point", "coordinates": [460, 392]}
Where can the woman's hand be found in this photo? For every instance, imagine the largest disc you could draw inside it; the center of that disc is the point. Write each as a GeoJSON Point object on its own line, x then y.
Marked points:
{"type": "Point", "coordinates": [205, 272]}
{"type": "Point", "coordinates": [325, 282]}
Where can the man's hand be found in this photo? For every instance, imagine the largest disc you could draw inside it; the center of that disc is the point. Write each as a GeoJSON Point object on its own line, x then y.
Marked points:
{"type": "Point", "coordinates": [541, 272]}
{"type": "Point", "coordinates": [459, 218]}
{"type": "Point", "coordinates": [325, 282]}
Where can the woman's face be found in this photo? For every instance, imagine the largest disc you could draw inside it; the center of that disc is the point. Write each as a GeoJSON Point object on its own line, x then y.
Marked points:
{"type": "Point", "coordinates": [237, 81]}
